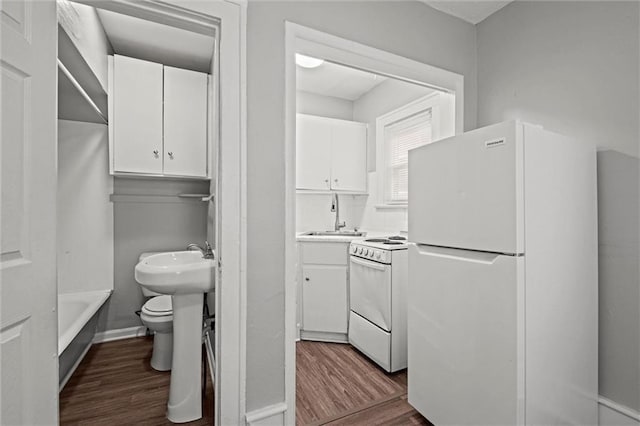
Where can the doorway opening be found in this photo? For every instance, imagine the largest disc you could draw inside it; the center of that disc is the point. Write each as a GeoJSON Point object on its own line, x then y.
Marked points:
{"type": "Point", "coordinates": [352, 112]}
{"type": "Point", "coordinates": [163, 210]}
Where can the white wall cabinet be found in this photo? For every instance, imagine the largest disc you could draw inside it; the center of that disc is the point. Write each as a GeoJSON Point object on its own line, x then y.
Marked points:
{"type": "Point", "coordinates": [324, 285]}
{"type": "Point", "coordinates": [159, 124]}
{"type": "Point", "coordinates": [331, 154]}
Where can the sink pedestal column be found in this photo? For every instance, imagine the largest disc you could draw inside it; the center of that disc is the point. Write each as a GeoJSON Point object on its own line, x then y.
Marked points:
{"type": "Point", "coordinates": [185, 391]}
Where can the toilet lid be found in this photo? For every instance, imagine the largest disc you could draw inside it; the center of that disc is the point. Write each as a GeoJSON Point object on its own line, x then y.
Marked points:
{"type": "Point", "coordinates": [158, 305]}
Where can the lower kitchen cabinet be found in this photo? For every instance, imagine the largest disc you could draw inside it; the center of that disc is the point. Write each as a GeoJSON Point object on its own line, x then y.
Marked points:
{"type": "Point", "coordinates": [324, 286]}
{"type": "Point", "coordinates": [324, 298]}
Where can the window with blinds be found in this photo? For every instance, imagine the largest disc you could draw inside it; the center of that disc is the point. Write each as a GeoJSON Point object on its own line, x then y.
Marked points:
{"type": "Point", "coordinates": [399, 137]}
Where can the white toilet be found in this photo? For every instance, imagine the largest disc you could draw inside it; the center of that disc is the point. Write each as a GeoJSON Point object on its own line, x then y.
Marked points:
{"type": "Point", "coordinates": [157, 316]}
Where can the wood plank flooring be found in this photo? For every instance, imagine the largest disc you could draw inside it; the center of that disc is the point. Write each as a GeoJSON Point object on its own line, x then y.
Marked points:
{"type": "Point", "coordinates": [335, 385]}
{"type": "Point", "coordinates": [115, 385]}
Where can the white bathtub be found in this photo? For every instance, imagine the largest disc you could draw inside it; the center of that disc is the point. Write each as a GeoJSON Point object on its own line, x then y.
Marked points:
{"type": "Point", "coordinates": [77, 321]}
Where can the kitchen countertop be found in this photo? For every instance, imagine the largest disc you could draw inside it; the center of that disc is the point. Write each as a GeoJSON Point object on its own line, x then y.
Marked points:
{"type": "Point", "coordinates": [340, 239]}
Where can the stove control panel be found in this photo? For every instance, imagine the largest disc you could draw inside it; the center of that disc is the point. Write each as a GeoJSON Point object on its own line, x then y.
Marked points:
{"type": "Point", "coordinates": [377, 255]}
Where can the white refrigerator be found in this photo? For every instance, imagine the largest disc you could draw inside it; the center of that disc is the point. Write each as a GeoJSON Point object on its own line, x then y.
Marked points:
{"type": "Point", "coordinates": [502, 306]}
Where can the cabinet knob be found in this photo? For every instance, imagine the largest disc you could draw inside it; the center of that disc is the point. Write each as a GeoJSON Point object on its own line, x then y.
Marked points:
{"type": "Point", "coordinates": [170, 154]}
{"type": "Point", "coordinates": [155, 153]}
{"type": "Point", "coordinates": [335, 180]}
{"type": "Point", "coordinates": [306, 279]}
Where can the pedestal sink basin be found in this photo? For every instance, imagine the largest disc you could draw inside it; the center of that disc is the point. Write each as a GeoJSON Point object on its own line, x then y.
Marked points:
{"type": "Point", "coordinates": [186, 276]}
{"type": "Point", "coordinates": [178, 272]}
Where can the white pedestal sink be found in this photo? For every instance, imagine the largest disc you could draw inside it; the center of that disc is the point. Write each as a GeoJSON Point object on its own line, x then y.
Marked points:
{"type": "Point", "coordinates": [186, 276]}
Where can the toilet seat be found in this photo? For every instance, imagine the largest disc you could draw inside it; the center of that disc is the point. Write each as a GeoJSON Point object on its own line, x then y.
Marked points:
{"type": "Point", "coordinates": [158, 306]}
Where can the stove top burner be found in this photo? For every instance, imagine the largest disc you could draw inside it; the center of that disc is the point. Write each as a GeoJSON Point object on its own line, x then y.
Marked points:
{"type": "Point", "coordinates": [387, 241]}
{"type": "Point", "coordinates": [398, 238]}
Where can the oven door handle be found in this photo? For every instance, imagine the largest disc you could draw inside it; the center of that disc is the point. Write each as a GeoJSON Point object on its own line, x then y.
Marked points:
{"type": "Point", "coordinates": [368, 263]}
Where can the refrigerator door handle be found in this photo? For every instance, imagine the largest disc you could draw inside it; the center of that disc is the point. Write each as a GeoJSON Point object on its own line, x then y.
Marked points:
{"type": "Point", "coordinates": [487, 258]}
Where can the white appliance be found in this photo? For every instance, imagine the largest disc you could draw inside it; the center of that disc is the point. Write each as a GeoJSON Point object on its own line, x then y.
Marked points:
{"type": "Point", "coordinates": [378, 300]}
{"type": "Point", "coordinates": [503, 296]}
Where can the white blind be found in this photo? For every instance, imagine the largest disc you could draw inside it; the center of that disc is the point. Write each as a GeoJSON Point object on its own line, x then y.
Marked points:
{"type": "Point", "coordinates": [399, 137]}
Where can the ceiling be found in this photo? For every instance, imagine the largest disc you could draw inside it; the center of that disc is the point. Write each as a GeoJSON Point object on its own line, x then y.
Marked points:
{"type": "Point", "coordinates": [470, 11]}
{"type": "Point", "coordinates": [156, 42]}
{"type": "Point", "coordinates": [335, 80]}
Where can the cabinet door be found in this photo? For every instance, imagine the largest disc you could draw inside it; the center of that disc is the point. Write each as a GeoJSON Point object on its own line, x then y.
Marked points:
{"type": "Point", "coordinates": [324, 298]}
{"type": "Point", "coordinates": [137, 120]}
{"type": "Point", "coordinates": [313, 152]}
{"type": "Point", "coordinates": [185, 122]}
{"type": "Point", "coordinates": [349, 156]}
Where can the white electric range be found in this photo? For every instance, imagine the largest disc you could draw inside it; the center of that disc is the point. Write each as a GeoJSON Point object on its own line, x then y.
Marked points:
{"type": "Point", "coordinates": [378, 300]}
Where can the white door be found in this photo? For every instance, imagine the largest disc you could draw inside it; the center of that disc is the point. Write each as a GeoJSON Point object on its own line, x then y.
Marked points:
{"type": "Point", "coordinates": [28, 318]}
{"type": "Point", "coordinates": [313, 153]}
{"type": "Point", "coordinates": [465, 343]}
{"type": "Point", "coordinates": [324, 299]}
{"type": "Point", "coordinates": [137, 116]}
{"type": "Point", "coordinates": [348, 156]}
{"type": "Point", "coordinates": [466, 191]}
{"type": "Point", "coordinates": [370, 291]}
{"type": "Point", "coordinates": [185, 122]}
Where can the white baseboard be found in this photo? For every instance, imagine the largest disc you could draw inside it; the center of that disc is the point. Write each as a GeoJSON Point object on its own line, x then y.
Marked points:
{"type": "Point", "coordinates": [272, 415]}
{"type": "Point", "coordinates": [119, 334]}
{"type": "Point", "coordinates": [613, 414]}
{"type": "Point", "coordinates": [321, 336]}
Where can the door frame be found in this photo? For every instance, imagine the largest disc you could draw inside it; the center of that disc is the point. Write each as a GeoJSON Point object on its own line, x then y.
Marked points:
{"type": "Point", "coordinates": [229, 18]}
{"type": "Point", "coordinates": [319, 44]}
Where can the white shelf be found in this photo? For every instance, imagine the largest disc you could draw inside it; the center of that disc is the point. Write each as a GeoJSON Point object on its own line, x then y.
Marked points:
{"type": "Point", "coordinates": [81, 97]}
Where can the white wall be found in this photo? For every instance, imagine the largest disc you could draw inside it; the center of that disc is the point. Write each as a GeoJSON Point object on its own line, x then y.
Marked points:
{"type": "Point", "coordinates": [323, 106]}
{"type": "Point", "coordinates": [143, 223]}
{"type": "Point", "coordinates": [85, 213]}
{"type": "Point", "coordinates": [385, 97]}
{"type": "Point", "coordinates": [573, 68]}
{"type": "Point", "coordinates": [409, 29]}
{"type": "Point", "coordinates": [313, 212]}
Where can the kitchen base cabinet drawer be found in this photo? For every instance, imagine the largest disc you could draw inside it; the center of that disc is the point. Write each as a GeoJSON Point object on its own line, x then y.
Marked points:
{"type": "Point", "coordinates": [323, 253]}
{"type": "Point", "coordinates": [372, 340]}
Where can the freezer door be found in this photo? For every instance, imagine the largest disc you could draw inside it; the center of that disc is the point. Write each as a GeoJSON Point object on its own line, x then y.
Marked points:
{"type": "Point", "coordinates": [466, 191]}
{"type": "Point", "coordinates": [465, 363]}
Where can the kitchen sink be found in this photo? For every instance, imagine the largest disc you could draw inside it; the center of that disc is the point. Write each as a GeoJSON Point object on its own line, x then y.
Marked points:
{"type": "Point", "coordinates": [335, 233]}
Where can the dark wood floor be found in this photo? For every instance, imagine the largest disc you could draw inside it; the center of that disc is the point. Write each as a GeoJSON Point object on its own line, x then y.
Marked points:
{"type": "Point", "coordinates": [336, 385]}
{"type": "Point", "coordinates": [115, 385]}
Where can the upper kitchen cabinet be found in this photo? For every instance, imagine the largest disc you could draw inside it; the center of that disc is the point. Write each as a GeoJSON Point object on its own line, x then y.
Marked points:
{"type": "Point", "coordinates": [159, 120]}
{"type": "Point", "coordinates": [331, 154]}
{"type": "Point", "coordinates": [185, 122]}
{"type": "Point", "coordinates": [136, 124]}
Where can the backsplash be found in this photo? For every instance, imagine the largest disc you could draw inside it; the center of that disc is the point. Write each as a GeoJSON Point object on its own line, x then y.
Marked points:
{"type": "Point", "coordinates": [313, 212]}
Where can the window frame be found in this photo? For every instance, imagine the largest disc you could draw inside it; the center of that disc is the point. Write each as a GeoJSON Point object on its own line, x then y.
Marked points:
{"type": "Point", "coordinates": [430, 101]}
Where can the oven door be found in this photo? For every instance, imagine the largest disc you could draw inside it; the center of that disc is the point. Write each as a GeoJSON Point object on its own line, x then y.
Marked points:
{"type": "Point", "coordinates": [370, 291]}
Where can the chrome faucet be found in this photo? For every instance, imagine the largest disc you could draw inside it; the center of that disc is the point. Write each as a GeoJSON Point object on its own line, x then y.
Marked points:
{"type": "Point", "coordinates": [335, 207]}
{"type": "Point", "coordinates": [207, 251]}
